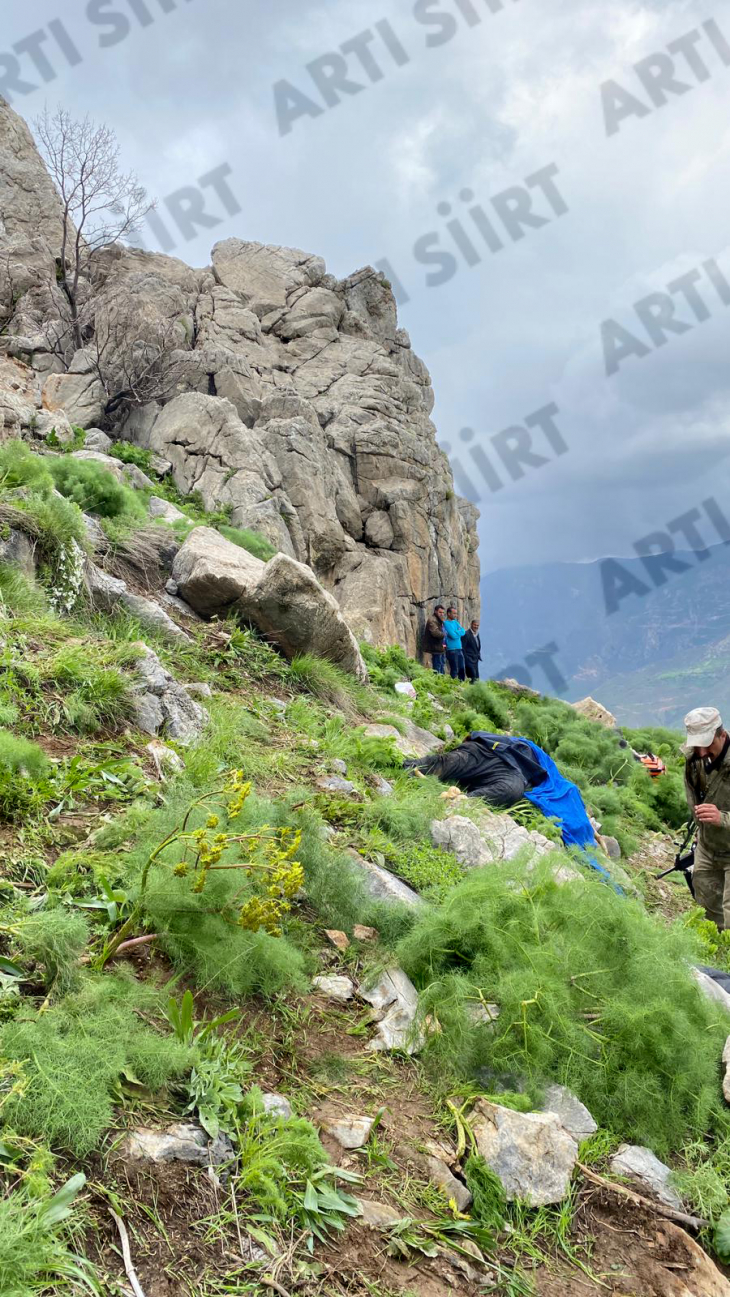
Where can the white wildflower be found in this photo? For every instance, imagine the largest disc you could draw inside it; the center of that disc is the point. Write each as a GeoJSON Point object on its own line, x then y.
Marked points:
{"type": "Point", "coordinates": [67, 577]}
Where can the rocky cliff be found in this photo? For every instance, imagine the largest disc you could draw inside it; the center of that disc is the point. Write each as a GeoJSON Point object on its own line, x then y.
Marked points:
{"type": "Point", "coordinates": [284, 395]}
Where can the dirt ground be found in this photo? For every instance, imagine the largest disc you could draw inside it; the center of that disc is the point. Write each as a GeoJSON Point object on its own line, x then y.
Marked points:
{"type": "Point", "coordinates": [188, 1235]}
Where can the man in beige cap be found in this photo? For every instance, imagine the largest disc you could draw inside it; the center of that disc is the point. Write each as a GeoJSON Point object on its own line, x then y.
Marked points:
{"type": "Point", "coordinates": [707, 784]}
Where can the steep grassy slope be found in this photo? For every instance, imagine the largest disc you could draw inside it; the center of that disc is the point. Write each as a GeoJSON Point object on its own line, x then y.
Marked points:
{"type": "Point", "coordinates": [158, 938]}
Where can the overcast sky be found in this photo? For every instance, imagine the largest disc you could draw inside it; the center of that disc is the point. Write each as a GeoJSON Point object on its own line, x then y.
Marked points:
{"type": "Point", "coordinates": [495, 98]}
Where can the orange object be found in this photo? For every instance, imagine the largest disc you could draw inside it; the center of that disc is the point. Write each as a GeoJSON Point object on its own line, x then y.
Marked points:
{"type": "Point", "coordinates": [654, 765]}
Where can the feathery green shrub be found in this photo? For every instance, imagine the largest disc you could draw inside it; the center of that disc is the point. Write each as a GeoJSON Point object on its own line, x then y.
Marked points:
{"type": "Point", "coordinates": [127, 453]}
{"type": "Point", "coordinates": [19, 467]}
{"type": "Point", "coordinates": [485, 699]}
{"type": "Point", "coordinates": [594, 994]}
{"type": "Point", "coordinates": [24, 776]}
{"type": "Point", "coordinates": [73, 1054]}
{"type": "Point", "coordinates": [55, 939]}
{"type": "Point", "coordinates": [93, 488]}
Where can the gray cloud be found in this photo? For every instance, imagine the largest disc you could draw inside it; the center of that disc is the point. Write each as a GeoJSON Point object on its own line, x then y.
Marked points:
{"type": "Point", "coordinates": [192, 90]}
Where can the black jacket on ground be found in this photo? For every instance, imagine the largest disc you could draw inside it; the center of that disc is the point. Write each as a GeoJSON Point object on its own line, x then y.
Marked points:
{"type": "Point", "coordinates": [497, 767]}
{"type": "Point", "coordinates": [472, 646]}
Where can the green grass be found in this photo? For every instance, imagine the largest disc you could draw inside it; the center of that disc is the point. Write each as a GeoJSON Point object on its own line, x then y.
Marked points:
{"type": "Point", "coordinates": [326, 682]}
{"type": "Point", "coordinates": [249, 540]}
{"type": "Point", "coordinates": [65, 682]}
{"type": "Point", "coordinates": [37, 1247]}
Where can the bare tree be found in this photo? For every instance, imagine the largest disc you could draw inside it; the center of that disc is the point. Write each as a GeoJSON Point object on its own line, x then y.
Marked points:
{"type": "Point", "coordinates": [101, 203]}
{"type": "Point", "coordinates": [138, 358]}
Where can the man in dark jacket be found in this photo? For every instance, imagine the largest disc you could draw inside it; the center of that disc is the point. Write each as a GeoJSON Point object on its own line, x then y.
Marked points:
{"type": "Point", "coordinates": [434, 639]}
{"type": "Point", "coordinates": [707, 784]}
{"type": "Point", "coordinates": [472, 646]}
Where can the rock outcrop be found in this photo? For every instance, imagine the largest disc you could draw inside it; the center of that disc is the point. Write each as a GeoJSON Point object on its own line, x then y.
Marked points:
{"type": "Point", "coordinates": [297, 403]}
{"type": "Point", "coordinates": [282, 598]}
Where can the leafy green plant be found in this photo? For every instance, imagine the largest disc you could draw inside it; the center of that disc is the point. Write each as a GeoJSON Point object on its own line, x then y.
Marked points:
{"type": "Point", "coordinates": [187, 1030]}
{"type": "Point", "coordinates": [81, 780]}
{"type": "Point", "coordinates": [285, 1176]}
{"type": "Point", "coordinates": [722, 1237]}
{"type": "Point", "coordinates": [428, 869]}
{"type": "Point", "coordinates": [715, 945]}
{"type": "Point", "coordinates": [128, 453]}
{"type": "Point", "coordinates": [77, 442]}
{"type": "Point", "coordinates": [214, 1089]}
{"type": "Point", "coordinates": [34, 1247]}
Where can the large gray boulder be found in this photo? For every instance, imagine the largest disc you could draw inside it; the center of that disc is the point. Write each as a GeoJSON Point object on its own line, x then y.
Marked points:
{"type": "Point", "coordinates": [282, 598]}
{"type": "Point", "coordinates": [504, 838]}
{"type": "Point", "coordinates": [384, 886]}
{"type": "Point", "coordinates": [394, 1000]}
{"type": "Point", "coordinates": [293, 610]}
{"type": "Point", "coordinates": [414, 742]}
{"type": "Point", "coordinates": [109, 593]}
{"type": "Point", "coordinates": [531, 1152]}
{"type": "Point", "coordinates": [573, 1114]}
{"type": "Point", "coordinates": [212, 574]}
{"type": "Point", "coordinates": [161, 704]}
{"type": "Point", "coordinates": [184, 1141]}
{"type": "Point", "coordinates": [30, 210]}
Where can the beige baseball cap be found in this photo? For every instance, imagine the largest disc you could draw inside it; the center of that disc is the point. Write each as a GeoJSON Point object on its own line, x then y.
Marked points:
{"type": "Point", "coordinates": [701, 725]}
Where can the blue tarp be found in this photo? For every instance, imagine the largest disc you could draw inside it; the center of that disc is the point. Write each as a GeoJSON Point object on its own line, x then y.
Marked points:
{"type": "Point", "coordinates": [555, 796]}
{"type": "Point", "coordinates": [559, 799]}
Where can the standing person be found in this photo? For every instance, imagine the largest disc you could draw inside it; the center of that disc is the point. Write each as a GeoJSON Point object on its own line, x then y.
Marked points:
{"type": "Point", "coordinates": [472, 645]}
{"type": "Point", "coordinates": [454, 635]}
{"type": "Point", "coordinates": [707, 785]}
{"type": "Point", "coordinates": [434, 639]}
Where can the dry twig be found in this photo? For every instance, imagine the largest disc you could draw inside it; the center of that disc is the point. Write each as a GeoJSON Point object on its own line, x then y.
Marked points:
{"type": "Point", "coordinates": [126, 1254]}
{"type": "Point", "coordinates": [692, 1222]}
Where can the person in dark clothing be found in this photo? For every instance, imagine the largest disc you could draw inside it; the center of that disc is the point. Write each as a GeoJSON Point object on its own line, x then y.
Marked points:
{"type": "Point", "coordinates": [499, 769]}
{"type": "Point", "coordinates": [434, 639]}
{"type": "Point", "coordinates": [472, 646]}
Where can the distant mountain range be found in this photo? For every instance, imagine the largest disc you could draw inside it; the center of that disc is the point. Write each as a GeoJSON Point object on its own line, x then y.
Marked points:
{"type": "Point", "coordinates": [651, 661]}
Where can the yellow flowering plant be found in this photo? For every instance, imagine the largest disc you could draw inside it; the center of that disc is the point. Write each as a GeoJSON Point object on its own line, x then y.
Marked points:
{"type": "Point", "coordinates": [266, 856]}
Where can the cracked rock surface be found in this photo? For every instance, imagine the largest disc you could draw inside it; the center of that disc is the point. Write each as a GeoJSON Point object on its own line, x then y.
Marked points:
{"type": "Point", "coordinates": [301, 405]}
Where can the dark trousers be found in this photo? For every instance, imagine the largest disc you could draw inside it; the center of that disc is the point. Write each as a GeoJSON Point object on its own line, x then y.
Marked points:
{"type": "Point", "coordinates": [472, 669]}
{"type": "Point", "coordinates": [438, 663]}
{"type": "Point", "coordinates": [455, 659]}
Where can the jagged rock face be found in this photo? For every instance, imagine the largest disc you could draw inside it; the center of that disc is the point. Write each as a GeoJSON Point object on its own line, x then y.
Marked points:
{"type": "Point", "coordinates": [30, 211]}
{"type": "Point", "coordinates": [298, 403]}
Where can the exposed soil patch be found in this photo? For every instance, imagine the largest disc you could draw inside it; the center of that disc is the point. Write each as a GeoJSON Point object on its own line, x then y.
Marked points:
{"type": "Point", "coordinates": [628, 1251]}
